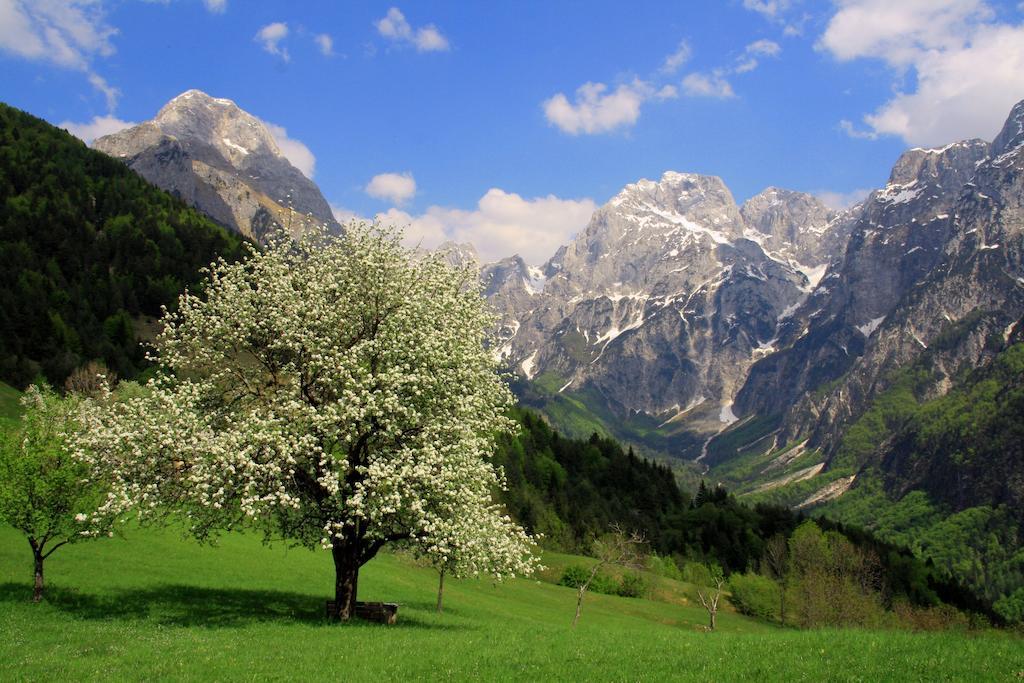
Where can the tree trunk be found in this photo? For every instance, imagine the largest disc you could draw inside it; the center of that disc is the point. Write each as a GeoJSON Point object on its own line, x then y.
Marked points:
{"type": "Point", "coordinates": [346, 580]}
{"type": "Point", "coordinates": [440, 593]}
{"type": "Point", "coordinates": [713, 614]}
{"type": "Point", "coordinates": [782, 605]}
{"type": "Point", "coordinates": [583, 589]}
{"type": "Point", "coordinates": [579, 604]}
{"type": "Point", "coordinates": [37, 590]}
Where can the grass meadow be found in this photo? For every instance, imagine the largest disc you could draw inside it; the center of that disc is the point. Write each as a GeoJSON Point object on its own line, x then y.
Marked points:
{"type": "Point", "coordinates": [155, 606]}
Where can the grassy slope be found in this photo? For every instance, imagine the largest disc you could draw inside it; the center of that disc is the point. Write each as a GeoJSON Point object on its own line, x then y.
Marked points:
{"type": "Point", "coordinates": [155, 606]}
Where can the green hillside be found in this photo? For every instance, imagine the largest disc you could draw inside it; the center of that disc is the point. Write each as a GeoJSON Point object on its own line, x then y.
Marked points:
{"type": "Point", "coordinates": [89, 250]}
{"type": "Point", "coordinates": [155, 606]}
{"type": "Point", "coordinates": [942, 476]}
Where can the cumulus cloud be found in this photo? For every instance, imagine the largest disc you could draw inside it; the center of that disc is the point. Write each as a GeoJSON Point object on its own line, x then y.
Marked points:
{"type": "Point", "coordinates": [957, 70]}
{"type": "Point", "coordinates": [841, 200]}
{"type": "Point", "coordinates": [216, 6]}
{"type": "Point", "coordinates": [293, 150]}
{"type": "Point", "coordinates": [270, 37]}
{"type": "Point", "coordinates": [344, 215]}
{"type": "Point", "coordinates": [99, 126]}
{"type": "Point", "coordinates": [395, 187]}
{"type": "Point", "coordinates": [502, 224]}
{"type": "Point", "coordinates": [68, 33]}
{"type": "Point", "coordinates": [325, 43]}
{"type": "Point", "coordinates": [712, 85]}
{"type": "Point", "coordinates": [396, 28]}
{"type": "Point", "coordinates": [598, 110]}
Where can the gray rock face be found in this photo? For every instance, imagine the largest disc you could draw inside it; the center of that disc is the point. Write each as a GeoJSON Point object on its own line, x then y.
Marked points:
{"type": "Point", "coordinates": [660, 305]}
{"type": "Point", "coordinates": [224, 162]}
{"type": "Point", "coordinates": [934, 266]}
{"type": "Point", "coordinates": [795, 226]}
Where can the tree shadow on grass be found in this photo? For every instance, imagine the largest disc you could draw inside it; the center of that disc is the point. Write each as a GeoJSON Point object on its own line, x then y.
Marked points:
{"type": "Point", "coordinates": [182, 605]}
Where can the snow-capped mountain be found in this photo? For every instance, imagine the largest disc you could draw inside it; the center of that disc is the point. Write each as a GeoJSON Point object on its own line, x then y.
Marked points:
{"type": "Point", "coordinates": [223, 161]}
{"type": "Point", "coordinates": [932, 279]}
{"type": "Point", "coordinates": [662, 303]}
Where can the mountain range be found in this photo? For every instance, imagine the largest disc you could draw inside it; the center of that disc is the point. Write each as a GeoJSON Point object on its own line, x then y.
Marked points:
{"type": "Point", "coordinates": [778, 346]}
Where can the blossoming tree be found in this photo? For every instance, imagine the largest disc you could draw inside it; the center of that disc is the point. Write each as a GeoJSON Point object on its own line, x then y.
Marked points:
{"type": "Point", "coordinates": [334, 392]}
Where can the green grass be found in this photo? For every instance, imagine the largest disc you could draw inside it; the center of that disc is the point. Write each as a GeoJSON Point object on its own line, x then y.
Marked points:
{"type": "Point", "coordinates": [155, 606]}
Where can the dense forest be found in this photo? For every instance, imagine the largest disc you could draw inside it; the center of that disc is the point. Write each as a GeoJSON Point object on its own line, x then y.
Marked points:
{"type": "Point", "coordinates": [572, 490]}
{"type": "Point", "coordinates": [88, 248]}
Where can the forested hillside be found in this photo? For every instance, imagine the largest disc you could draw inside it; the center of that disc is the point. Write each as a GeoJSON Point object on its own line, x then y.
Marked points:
{"type": "Point", "coordinates": [571, 490]}
{"type": "Point", "coordinates": [948, 480]}
{"type": "Point", "coordinates": [88, 248]}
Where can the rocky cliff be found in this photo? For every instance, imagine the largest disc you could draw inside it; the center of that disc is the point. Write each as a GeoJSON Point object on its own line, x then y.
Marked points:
{"type": "Point", "coordinates": [224, 162]}
{"type": "Point", "coordinates": [661, 304]}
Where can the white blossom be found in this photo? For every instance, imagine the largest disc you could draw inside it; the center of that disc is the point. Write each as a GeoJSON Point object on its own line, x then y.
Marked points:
{"type": "Point", "coordinates": [325, 391]}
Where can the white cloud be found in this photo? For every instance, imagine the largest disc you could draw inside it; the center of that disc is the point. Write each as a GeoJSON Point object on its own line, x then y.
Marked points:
{"type": "Point", "coordinates": [396, 28]}
{"type": "Point", "coordinates": [763, 48]}
{"type": "Point", "coordinates": [344, 215]}
{"type": "Point", "coordinates": [596, 110]}
{"type": "Point", "coordinates": [110, 93]}
{"type": "Point", "coordinates": [769, 8]}
{"type": "Point", "coordinates": [667, 92]}
{"type": "Point", "coordinates": [750, 58]}
{"type": "Point", "coordinates": [395, 187]}
{"type": "Point", "coordinates": [294, 151]}
{"type": "Point", "coordinates": [325, 43]}
{"type": "Point", "coordinates": [97, 128]}
{"type": "Point", "coordinates": [967, 69]}
{"type": "Point", "coordinates": [677, 58]}
{"type": "Point", "coordinates": [270, 36]}
{"type": "Point", "coordinates": [841, 200]}
{"type": "Point", "coordinates": [67, 33]}
{"type": "Point", "coordinates": [715, 83]}
{"type": "Point", "coordinates": [847, 127]}
{"type": "Point", "coordinates": [712, 85]}
{"type": "Point", "coordinates": [216, 6]}
{"type": "Point", "coordinates": [503, 223]}
{"type": "Point", "coordinates": [778, 12]}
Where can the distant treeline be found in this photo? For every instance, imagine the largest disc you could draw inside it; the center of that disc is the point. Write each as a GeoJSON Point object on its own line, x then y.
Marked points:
{"type": "Point", "coordinates": [87, 247]}
{"type": "Point", "coordinates": [572, 490]}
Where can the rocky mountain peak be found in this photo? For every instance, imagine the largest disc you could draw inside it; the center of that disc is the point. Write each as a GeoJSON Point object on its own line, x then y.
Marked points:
{"type": "Point", "coordinates": [234, 132]}
{"type": "Point", "coordinates": [223, 161]}
{"type": "Point", "coordinates": [948, 167]}
{"type": "Point", "coordinates": [1011, 137]}
{"type": "Point", "coordinates": [792, 225]}
{"type": "Point", "coordinates": [459, 254]}
{"type": "Point", "coordinates": [683, 194]}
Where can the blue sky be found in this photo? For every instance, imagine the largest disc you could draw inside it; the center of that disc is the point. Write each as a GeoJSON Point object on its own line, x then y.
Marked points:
{"type": "Point", "coordinates": [506, 123]}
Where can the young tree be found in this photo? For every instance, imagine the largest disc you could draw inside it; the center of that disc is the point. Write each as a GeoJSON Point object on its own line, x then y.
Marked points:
{"type": "Point", "coordinates": [616, 547]}
{"type": "Point", "coordinates": [710, 596]}
{"type": "Point", "coordinates": [776, 562]}
{"type": "Point", "coordinates": [45, 492]}
{"type": "Point", "coordinates": [474, 550]}
{"type": "Point", "coordinates": [333, 392]}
